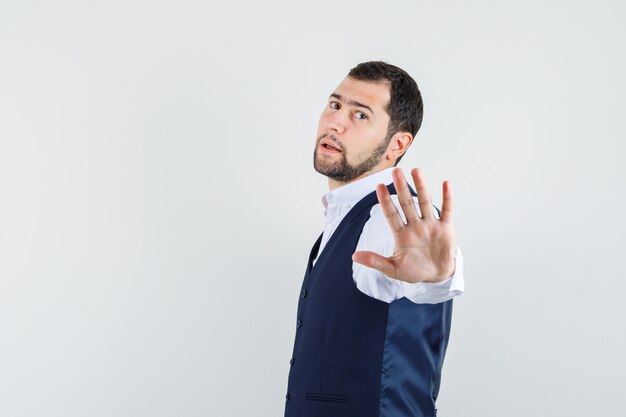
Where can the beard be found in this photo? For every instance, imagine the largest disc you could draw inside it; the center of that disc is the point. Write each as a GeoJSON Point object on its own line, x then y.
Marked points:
{"type": "Point", "coordinates": [342, 170]}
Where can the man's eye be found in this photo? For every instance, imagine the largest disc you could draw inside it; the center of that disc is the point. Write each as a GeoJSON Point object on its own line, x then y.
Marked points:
{"type": "Point", "coordinates": [360, 115]}
{"type": "Point", "coordinates": [334, 105]}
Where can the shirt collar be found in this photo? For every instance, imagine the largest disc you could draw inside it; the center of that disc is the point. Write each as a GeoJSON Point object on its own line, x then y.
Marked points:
{"type": "Point", "coordinates": [353, 192]}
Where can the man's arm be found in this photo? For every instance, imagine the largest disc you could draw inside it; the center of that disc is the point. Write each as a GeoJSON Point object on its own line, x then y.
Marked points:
{"type": "Point", "coordinates": [377, 237]}
{"type": "Point", "coordinates": [424, 249]}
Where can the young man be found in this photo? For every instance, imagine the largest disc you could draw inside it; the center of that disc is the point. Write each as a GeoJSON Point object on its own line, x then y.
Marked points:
{"type": "Point", "coordinates": [374, 314]}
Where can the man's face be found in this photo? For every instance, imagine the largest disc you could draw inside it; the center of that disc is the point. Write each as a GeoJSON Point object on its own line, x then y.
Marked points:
{"type": "Point", "coordinates": [352, 131]}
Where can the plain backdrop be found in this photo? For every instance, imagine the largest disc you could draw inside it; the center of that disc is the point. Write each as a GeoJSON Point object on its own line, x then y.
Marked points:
{"type": "Point", "coordinates": [158, 201]}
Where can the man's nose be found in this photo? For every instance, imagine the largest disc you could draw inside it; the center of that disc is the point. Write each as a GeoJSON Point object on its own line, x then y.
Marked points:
{"type": "Point", "coordinates": [337, 121]}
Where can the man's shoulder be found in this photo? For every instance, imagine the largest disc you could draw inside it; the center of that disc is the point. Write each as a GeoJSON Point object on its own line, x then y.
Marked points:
{"type": "Point", "coordinates": [376, 230]}
{"type": "Point", "coordinates": [377, 215]}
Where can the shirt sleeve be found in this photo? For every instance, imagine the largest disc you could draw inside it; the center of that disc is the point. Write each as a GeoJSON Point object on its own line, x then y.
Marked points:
{"type": "Point", "coordinates": [377, 237]}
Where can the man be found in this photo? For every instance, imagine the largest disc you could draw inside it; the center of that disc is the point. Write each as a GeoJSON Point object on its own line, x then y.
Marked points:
{"type": "Point", "coordinates": [374, 315]}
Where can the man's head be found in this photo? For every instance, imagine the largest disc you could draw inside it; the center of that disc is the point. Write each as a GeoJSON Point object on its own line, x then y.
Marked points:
{"type": "Point", "coordinates": [370, 120]}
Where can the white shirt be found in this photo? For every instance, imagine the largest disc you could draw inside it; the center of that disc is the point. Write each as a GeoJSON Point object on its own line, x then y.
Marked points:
{"type": "Point", "coordinates": [377, 237]}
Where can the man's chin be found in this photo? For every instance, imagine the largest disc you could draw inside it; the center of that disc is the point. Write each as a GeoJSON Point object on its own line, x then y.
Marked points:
{"type": "Point", "coordinates": [323, 166]}
{"type": "Point", "coordinates": [327, 170]}
{"type": "Point", "coordinates": [335, 174]}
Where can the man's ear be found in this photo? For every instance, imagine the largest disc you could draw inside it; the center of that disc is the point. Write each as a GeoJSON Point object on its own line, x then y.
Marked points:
{"type": "Point", "coordinates": [398, 145]}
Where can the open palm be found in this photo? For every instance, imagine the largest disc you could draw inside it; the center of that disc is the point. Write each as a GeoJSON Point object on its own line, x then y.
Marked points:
{"type": "Point", "coordinates": [424, 245]}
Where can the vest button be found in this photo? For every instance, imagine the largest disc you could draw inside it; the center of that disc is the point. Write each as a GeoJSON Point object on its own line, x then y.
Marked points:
{"type": "Point", "coordinates": [299, 324]}
{"type": "Point", "coordinates": [287, 397]}
{"type": "Point", "coordinates": [291, 361]}
{"type": "Point", "coordinates": [303, 293]}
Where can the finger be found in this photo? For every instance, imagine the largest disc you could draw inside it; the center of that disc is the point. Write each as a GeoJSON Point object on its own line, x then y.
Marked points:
{"type": "Point", "coordinates": [423, 197]}
{"type": "Point", "coordinates": [389, 209]}
{"type": "Point", "coordinates": [404, 196]}
{"type": "Point", "coordinates": [447, 207]}
{"type": "Point", "coordinates": [374, 260]}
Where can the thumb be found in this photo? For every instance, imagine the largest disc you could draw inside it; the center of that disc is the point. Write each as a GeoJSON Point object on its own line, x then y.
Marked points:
{"type": "Point", "coordinates": [374, 260]}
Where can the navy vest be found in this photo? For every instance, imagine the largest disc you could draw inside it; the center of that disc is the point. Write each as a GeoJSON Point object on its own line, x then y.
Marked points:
{"type": "Point", "coordinates": [355, 356]}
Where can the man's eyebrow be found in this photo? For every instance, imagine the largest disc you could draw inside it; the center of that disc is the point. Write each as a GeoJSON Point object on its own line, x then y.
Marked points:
{"type": "Point", "coordinates": [351, 102]}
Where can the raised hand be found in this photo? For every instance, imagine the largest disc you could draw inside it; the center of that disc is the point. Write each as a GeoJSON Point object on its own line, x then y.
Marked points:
{"type": "Point", "coordinates": [424, 246]}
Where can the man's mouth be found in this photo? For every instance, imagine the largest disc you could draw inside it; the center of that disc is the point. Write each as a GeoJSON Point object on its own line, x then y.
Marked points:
{"type": "Point", "coordinates": [329, 147]}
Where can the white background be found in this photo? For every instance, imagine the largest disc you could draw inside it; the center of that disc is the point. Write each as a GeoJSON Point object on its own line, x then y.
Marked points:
{"type": "Point", "coordinates": [158, 201]}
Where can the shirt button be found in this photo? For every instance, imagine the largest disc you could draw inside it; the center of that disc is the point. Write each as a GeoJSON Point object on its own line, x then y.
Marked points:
{"type": "Point", "coordinates": [303, 293]}
{"type": "Point", "coordinates": [299, 324]}
{"type": "Point", "coordinates": [291, 361]}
